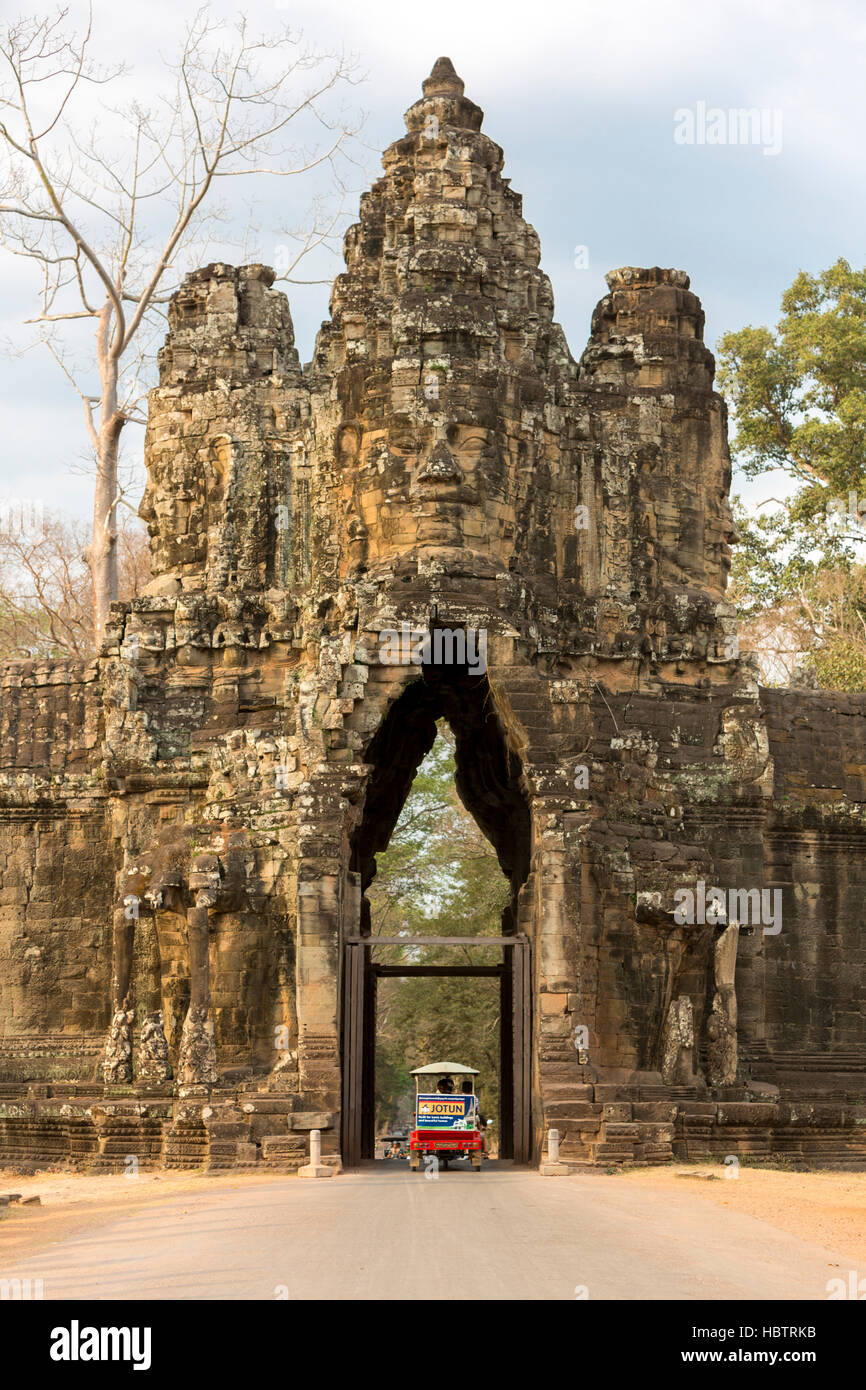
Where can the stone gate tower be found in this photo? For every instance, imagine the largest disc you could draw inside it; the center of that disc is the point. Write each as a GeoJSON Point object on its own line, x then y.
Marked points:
{"type": "Point", "coordinates": [190, 823]}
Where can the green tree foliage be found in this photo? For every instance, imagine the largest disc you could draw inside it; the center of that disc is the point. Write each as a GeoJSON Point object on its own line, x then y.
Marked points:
{"type": "Point", "coordinates": [799, 393]}
{"type": "Point", "coordinates": [799, 397]}
{"type": "Point", "coordinates": [438, 877]}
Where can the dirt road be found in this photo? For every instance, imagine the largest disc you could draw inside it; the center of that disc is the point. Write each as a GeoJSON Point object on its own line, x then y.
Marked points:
{"type": "Point", "coordinates": [383, 1233]}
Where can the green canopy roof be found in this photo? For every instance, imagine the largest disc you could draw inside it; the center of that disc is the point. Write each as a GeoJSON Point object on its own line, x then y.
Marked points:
{"type": "Point", "coordinates": [444, 1068]}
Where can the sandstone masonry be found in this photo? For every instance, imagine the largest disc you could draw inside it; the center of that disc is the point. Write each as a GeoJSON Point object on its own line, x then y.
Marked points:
{"type": "Point", "coordinates": [188, 825]}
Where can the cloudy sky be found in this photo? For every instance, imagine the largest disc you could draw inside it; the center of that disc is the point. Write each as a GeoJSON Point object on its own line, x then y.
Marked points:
{"type": "Point", "coordinates": [582, 97]}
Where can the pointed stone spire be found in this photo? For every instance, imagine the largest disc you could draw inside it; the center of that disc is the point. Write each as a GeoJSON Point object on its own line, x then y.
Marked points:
{"type": "Point", "coordinates": [441, 354]}
{"type": "Point", "coordinates": [444, 102]}
{"type": "Point", "coordinates": [443, 80]}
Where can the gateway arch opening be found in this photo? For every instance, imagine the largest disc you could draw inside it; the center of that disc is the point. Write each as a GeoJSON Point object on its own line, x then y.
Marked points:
{"type": "Point", "coordinates": [439, 859]}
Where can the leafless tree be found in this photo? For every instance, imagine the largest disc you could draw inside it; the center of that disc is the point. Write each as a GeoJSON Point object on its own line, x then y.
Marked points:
{"type": "Point", "coordinates": [113, 217]}
{"type": "Point", "coordinates": [46, 594]}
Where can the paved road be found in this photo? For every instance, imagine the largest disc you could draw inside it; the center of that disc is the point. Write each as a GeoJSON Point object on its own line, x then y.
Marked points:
{"type": "Point", "coordinates": [383, 1233]}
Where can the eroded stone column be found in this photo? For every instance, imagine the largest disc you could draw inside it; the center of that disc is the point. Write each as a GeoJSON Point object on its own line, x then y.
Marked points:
{"type": "Point", "coordinates": [318, 987]}
{"type": "Point", "coordinates": [678, 1044]}
{"type": "Point", "coordinates": [117, 1059]}
{"type": "Point", "coordinates": [722, 1055]}
{"type": "Point", "coordinates": [197, 1065]}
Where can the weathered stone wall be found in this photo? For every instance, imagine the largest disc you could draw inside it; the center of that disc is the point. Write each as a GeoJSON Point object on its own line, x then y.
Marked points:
{"type": "Point", "coordinates": [50, 726]}
{"type": "Point", "coordinates": [56, 872]}
{"type": "Point", "coordinates": [814, 980]}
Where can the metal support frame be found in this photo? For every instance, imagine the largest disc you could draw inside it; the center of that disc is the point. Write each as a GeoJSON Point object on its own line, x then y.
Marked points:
{"type": "Point", "coordinates": [360, 976]}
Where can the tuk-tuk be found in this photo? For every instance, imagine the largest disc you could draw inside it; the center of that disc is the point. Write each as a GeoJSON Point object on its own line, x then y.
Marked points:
{"type": "Point", "coordinates": [446, 1121]}
{"type": "Point", "coordinates": [386, 1144]}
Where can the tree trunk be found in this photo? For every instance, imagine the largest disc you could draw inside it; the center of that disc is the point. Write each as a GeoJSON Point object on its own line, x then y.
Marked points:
{"type": "Point", "coordinates": [102, 555]}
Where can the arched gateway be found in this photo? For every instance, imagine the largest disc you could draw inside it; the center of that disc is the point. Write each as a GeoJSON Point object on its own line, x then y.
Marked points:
{"type": "Point", "coordinates": [442, 516]}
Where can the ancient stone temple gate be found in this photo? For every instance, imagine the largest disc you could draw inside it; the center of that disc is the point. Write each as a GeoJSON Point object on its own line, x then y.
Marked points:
{"type": "Point", "coordinates": [190, 823]}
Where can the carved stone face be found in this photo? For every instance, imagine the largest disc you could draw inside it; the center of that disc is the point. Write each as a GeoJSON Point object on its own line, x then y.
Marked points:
{"type": "Point", "coordinates": [720, 534]}
{"type": "Point", "coordinates": [720, 537]}
{"type": "Point", "coordinates": [685, 493]}
{"type": "Point", "coordinates": [184, 497]}
{"type": "Point", "coordinates": [423, 484]}
{"type": "Point", "coordinates": [171, 512]}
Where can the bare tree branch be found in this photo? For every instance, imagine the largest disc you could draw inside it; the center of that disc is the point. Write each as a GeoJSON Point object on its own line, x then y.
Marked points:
{"type": "Point", "coordinates": [133, 201]}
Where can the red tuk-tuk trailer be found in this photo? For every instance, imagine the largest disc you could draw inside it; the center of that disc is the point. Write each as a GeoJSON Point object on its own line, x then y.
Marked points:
{"type": "Point", "coordinates": [446, 1122]}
